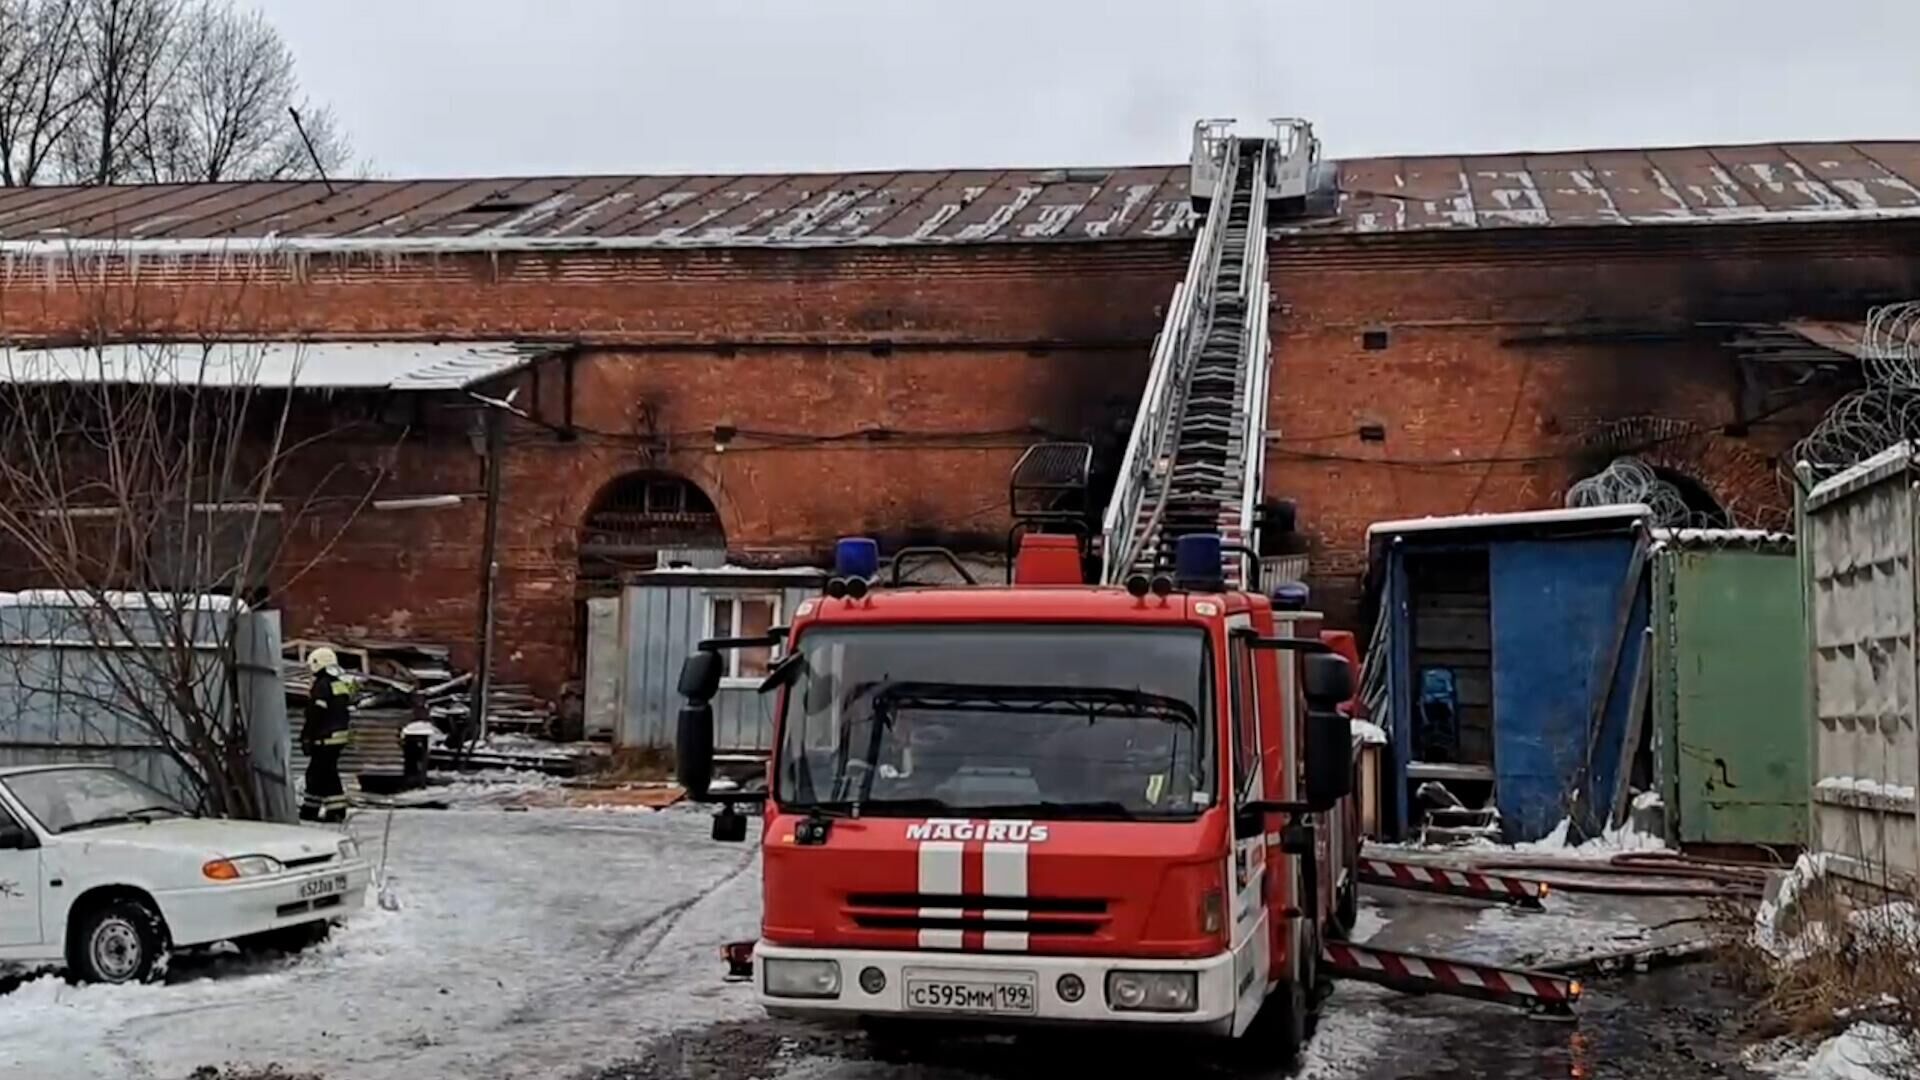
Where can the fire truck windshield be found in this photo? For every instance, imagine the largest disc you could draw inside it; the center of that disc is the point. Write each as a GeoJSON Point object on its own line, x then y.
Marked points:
{"type": "Point", "coordinates": [1056, 721]}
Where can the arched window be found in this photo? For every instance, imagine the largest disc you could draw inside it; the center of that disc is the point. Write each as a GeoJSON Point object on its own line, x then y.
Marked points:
{"type": "Point", "coordinates": [640, 515]}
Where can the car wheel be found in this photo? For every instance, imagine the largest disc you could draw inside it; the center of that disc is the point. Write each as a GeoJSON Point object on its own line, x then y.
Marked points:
{"type": "Point", "coordinates": [287, 939]}
{"type": "Point", "coordinates": [121, 941]}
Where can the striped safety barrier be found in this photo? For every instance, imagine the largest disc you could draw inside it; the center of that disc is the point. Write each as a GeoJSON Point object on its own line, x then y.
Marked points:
{"type": "Point", "coordinates": [1413, 973]}
{"type": "Point", "coordinates": [1421, 877]}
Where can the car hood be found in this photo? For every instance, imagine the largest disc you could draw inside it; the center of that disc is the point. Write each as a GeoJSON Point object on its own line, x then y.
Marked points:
{"type": "Point", "coordinates": [218, 837]}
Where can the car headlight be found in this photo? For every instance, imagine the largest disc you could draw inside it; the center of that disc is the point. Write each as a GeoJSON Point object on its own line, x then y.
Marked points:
{"type": "Point", "coordinates": [244, 866]}
{"type": "Point", "coordinates": [349, 848]}
{"type": "Point", "coordinates": [1153, 991]}
{"type": "Point", "coordinates": [801, 978]}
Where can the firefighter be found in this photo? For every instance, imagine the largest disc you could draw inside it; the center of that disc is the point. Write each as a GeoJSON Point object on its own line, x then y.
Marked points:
{"type": "Point", "coordinates": [324, 737]}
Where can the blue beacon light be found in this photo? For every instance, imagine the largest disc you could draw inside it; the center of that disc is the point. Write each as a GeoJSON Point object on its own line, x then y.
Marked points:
{"type": "Point", "coordinates": [1196, 562]}
{"type": "Point", "coordinates": [856, 557]}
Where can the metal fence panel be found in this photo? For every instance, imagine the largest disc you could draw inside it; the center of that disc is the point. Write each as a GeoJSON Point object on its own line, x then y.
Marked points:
{"type": "Point", "coordinates": [1859, 529]}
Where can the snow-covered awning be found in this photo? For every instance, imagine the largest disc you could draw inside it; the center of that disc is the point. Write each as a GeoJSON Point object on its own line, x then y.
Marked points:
{"type": "Point", "coordinates": [303, 365]}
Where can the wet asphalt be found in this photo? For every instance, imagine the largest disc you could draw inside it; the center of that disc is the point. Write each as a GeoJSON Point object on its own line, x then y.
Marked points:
{"type": "Point", "coordinates": [1676, 1024]}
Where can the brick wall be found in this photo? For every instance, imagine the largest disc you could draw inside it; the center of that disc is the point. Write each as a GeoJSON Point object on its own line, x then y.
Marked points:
{"type": "Point", "coordinates": [1507, 353]}
{"type": "Point", "coordinates": [886, 392]}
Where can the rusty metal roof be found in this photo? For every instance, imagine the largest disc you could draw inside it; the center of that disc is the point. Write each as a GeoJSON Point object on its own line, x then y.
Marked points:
{"type": "Point", "coordinates": [1788, 182]}
{"type": "Point", "coordinates": [690, 211]}
{"type": "Point", "coordinates": [1695, 185]}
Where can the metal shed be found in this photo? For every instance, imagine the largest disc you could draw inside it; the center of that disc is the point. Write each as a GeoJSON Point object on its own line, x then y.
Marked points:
{"type": "Point", "coordinates": [1511, 645]}
{"type": "Point", "coordinates": [1859, 533]}
{"type": "Point", "coordinates": [664, 614]}
{"type": "Point", "coordinates": [59, 678]}
{"type": "Point", "coordinates": [1729, 687]}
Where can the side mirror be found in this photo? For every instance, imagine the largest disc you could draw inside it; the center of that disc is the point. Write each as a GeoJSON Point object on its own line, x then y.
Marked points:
{"type": "Point", "coordinates": [693, 747]}
{"type": "Point", "coordinates": [1326, 679]}
{"type": "Point", "coordinates": [700, 677]}
{"type": "Point", "coordinates": [1328, 682]}
{"type": "Point", "coordinates": [15, 837]}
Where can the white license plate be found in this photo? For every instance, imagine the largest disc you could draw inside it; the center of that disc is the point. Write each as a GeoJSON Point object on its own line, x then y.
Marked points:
{"type": "Point", "coordinates": [323, 886]}
{"type": "Point", "coordinates": [995, 998]}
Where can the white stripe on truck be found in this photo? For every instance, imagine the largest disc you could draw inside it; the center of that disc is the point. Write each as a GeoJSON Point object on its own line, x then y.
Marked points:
{"type": "Point", "coordinates": [941, 875]}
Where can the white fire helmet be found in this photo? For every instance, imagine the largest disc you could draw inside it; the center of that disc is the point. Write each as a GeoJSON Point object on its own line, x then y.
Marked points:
{"type": "Point", "coordinates": [321, 659]}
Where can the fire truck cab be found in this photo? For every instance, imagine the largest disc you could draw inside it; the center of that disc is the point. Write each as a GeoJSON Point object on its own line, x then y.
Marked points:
{"type": "Point", "coordinates": [1048, 802]}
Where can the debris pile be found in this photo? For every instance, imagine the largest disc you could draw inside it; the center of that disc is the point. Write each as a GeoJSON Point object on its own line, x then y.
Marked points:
{"type": "Point", "coordinates": [402, 682]}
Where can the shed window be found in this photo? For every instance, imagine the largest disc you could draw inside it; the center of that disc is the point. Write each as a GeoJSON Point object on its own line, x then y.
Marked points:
{"type": "Point", "coordinates": [743, 615]}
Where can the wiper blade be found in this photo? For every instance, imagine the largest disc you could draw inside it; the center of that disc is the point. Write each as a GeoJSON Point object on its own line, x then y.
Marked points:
{"type": "Point", "coordinates": [1101, 808]}
{"type": "Point", "coordinates": [851, 808]}
{"type": "Point", "coordinates": [169, 811]}
{"type": "Point", "coordinates": [1075, 701]}
{"type": "Point", "coordinates": [101, 822]}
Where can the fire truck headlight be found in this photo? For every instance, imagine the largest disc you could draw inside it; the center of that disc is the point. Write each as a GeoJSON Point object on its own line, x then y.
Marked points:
{"type": "Point", "coordinates": [1153, 991]}
{"type": "Point", "coordinates": [790, 978]}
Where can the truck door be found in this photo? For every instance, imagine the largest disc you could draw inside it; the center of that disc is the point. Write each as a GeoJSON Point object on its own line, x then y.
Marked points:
{"type": "Point", "coordinates": [19, 887]}
{"type": "Point", "coordinates": [1251, 959]}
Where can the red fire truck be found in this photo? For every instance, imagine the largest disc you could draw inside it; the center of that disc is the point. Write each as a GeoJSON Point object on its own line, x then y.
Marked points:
{"type": "Point", "coordinates": [1047, 802]}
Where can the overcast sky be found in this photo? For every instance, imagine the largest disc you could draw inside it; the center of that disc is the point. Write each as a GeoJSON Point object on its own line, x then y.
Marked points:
{"type": "Point", "coordinates": [475, 87]}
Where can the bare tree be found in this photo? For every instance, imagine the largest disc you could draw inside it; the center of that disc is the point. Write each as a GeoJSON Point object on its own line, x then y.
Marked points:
{"type": "Point", "coordinates": [105, 91]}
{"type": "Point", "coordinates": [152, 489]}
{"type": "Point", "coordinates": [129, 58]}
{"type": "Point", "coordinates": [40, 96]}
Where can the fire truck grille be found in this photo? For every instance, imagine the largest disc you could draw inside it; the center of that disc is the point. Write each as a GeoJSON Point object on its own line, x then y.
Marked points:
{"type": "Point", "coordinates": [1044, 915]}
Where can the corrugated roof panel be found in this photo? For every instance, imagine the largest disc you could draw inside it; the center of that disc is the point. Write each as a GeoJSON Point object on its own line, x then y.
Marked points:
{"type": "Point", "coordinates": [332, 365]}
{"type": "Point", "coordinates": [50, 214]}
{"type": "Point", "coordinates": [1118, 203]}
{"type": "Point", "coordinates": [1800, 181]}
{"type": "Point", "coordinates": [934, 206]}
{"type": "Point", "coordinates": [880, 196]}
{"type": "Point", "coordinates": [230, 213]}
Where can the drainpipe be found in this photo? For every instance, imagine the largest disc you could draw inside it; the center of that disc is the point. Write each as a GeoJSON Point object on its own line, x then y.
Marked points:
{"type": "Point", "coordinates": [489, 569]}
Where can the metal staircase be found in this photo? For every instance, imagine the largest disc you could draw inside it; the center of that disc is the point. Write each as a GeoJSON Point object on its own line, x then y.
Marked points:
{"type": "Point", "coordinates": [1195, 459]}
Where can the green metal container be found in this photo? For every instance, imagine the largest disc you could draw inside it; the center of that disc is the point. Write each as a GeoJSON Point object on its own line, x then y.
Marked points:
{"type": "Point", "coordinates": [1729, 688]}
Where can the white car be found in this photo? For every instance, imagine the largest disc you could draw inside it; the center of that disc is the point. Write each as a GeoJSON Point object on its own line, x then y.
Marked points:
{"type": "Point", "coordinates": [108, 876]}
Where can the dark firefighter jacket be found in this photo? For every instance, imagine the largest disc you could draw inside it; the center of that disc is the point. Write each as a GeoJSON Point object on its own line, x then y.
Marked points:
{"type": "Point", "coordinates": [327, 717]}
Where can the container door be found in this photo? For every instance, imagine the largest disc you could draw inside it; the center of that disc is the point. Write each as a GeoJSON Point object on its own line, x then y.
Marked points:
{"type": "Point", "coordinates": [1739, 669]}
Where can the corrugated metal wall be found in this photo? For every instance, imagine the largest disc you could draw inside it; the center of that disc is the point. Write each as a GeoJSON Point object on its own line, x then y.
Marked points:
{"type": "Point", "coordinates": [57, 686]}
{"type": "Point", "coordinates": [1729, 695]}
{"type": "Point", "coordinates": [1858, 561]}
{"type": "Point", "coordinates": [660, 624]}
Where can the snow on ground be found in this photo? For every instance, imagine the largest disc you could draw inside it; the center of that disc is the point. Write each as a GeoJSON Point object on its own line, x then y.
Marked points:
{"type": "Point", "coordinates": [1862, 1052]}
{"type": "Point", "coordinates": [543, 944]}
{"type": "Point", "coordinates": [526, 945]}
{"type": "Point", "coordinates": [1614, 840]}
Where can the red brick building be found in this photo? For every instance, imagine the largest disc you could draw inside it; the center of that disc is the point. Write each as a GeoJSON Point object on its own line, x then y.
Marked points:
{"type": "Point", "coordinates": [764, 363]}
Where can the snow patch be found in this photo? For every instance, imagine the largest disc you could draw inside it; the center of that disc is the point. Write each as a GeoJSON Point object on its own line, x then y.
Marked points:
{"type": "Point", "coordinates": [1782, 899]}
{"type": "Point", "coordinates": [1862, 1052]}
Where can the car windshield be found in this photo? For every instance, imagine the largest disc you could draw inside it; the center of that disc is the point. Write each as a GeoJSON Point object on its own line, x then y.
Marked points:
{"type": "Point", "coordinates": [1057, 721]}
{"type": "Point", "coordinates": [66, 800]}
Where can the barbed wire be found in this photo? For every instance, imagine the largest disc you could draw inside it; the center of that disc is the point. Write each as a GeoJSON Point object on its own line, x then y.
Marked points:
{"type": "Point", "coordinates": [1630, 480]}
{"type": "Point", "coordinates": [1887, 410]}
{"type": "Point", "coordinates": [1889, 352]}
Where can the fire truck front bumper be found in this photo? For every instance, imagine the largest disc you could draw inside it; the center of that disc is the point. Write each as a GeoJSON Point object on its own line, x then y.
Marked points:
{"type": "Point", "coordinates": [1195, 995]}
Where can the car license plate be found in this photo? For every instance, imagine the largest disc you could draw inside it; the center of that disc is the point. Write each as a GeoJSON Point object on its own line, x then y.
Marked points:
{"type": "Point", "coordinates": [323, 886]}
{"type": "Point", "coordinates": [990, 996]}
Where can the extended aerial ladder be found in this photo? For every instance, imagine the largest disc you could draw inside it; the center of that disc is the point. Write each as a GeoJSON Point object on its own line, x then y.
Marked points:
{"type": "Point", "coordinates": [1197, 452]}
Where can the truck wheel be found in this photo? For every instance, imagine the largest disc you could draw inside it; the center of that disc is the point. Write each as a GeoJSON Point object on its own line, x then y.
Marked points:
{"type": "Point", "coordinates": [1346, 910]}
{"type": "Point", "coordinates": [1279, 1029]}
{"type": "Point", "coordinates": [121, 941]}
